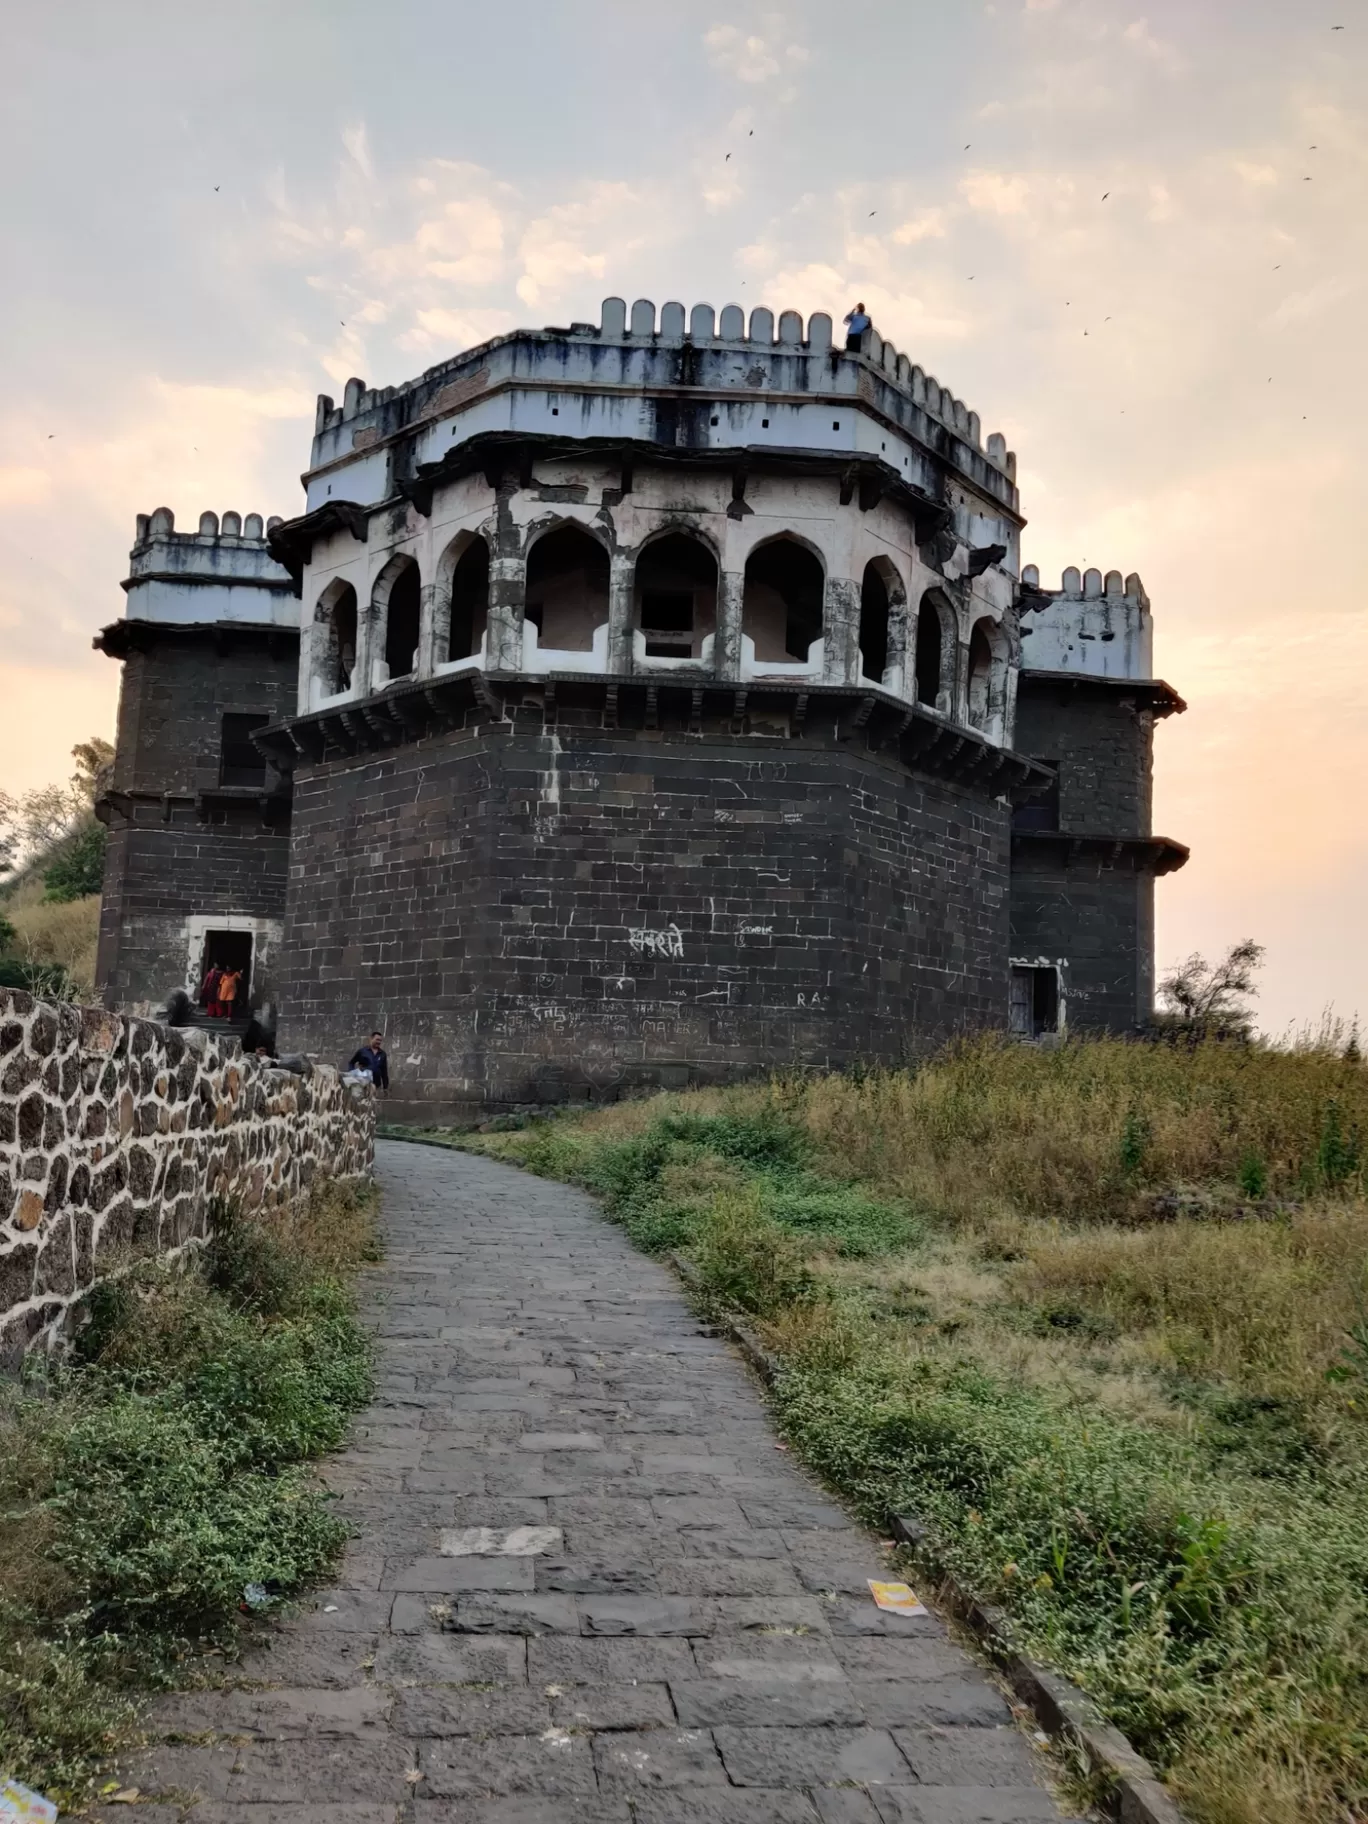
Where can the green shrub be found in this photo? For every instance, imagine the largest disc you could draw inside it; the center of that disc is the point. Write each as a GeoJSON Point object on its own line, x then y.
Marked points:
{"type": "Point", "coordinates": [159, 1473]}
{"type": "Point", "coordinates": [78, 869]}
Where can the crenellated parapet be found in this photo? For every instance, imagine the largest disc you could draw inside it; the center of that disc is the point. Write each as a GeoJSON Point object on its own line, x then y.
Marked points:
{"type": "Point", "coordinates": [221, 573]}
{"type": "Point", "coordinates": [1094, 625]}
{"type": "Point", "coordinates": [713, 367]}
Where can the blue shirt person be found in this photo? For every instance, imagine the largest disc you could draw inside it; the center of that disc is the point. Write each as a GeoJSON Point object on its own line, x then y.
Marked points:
{"type": "Point", "coordinates": [856, 324]}
{"type": "Point", "coordinates": [373, 1057]}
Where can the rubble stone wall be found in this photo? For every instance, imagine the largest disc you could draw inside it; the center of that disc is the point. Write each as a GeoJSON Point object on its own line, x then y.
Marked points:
{"type": "Point", "coordinates": [116, 1134]}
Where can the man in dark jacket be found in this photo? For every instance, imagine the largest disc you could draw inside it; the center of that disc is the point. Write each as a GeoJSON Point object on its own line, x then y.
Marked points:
{"type": "Point", "coordinates": [373, 1057]}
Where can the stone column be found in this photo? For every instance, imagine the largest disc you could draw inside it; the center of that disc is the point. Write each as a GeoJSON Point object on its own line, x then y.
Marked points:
{"type": "Point", "coordinates": [841, 628]}
{"type": "Point", "coordinates": [731, 590]}
{"type": "Point", "coordinates": [621, 587]}
{"type": "Point", "coordinates": [434, 627]}
{"type": "Point", "coordinates": [900, 647]}
{"type": "Point", "coordinates": [507, 596]}
{"type": "Point", "coordinates": [370, 647]}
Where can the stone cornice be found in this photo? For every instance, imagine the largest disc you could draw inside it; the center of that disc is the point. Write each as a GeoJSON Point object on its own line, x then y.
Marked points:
{"type": "Point", "coordinates": [775, 714]}
{"type": "Point", "coordinates": [1153, 854]}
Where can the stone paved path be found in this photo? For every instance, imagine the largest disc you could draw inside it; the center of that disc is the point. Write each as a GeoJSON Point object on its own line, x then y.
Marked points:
{"type": "Point", "coordinates": [690, 1639]}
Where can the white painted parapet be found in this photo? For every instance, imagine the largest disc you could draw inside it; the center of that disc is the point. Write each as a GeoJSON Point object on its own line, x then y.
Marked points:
{"type": "Point", "coordinates": [220, 574]}
{"type": "Point", "coordinates": [1097, 626]}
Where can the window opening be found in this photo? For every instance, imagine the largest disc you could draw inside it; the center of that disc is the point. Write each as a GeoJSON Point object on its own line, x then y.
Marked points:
{"type": "Point", "coordinates": [874, 608]}
{"type": "Point", "coordinates": [567, 589]}
{"type": "Point", "coordinates": [928, 653]}
{"type": "Point", "coordinates": [782, 604]}
{"type": "Point", "coordinates": [338, 633]}
{"type": "Point", "coordinates": [1040, 812]}
{"type": "Point", "coordinates": [980, 677]}
{"type": "Point", "coordinates": [676, 581]}
{"type": "Point", "coordinates": [401, 626]}
{"type": "Point", "coordinates": [1033, 1008]}
{"type": "Point", "coordinates": [239, 761]}
{"type": "Point", "coordinates": [469, 601]}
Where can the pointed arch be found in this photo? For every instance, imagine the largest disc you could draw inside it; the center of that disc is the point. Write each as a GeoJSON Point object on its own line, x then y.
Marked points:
{"type": "Point", "coordinates": [460, 605]}
{"type": "Point", "coordinates": [986, 679]}
{"type": "Point", "coordinates": [396, 615]}
{"type": "Point", "coordinates": [674, 593]}
{"type": "Point", "coordinates": [782, 604]}
{"type": "Point", "coordinates": [883, 622]}
{"type": "Point", "coordinates": [934, 665]}
{"type": "Point", "coordinates": [566, 597]}
{"type": "Point", "coordinates": [333, 642]}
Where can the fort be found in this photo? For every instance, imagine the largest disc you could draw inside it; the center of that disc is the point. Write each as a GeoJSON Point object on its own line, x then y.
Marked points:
{"type": "Point", "coordinates": [641, 703]}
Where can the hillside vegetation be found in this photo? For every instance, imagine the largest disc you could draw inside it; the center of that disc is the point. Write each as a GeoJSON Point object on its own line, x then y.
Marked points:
{"type": "Point", "coordinates": [1100, 1314]}
{"type": "Point", "coordinates": [156, 1484]}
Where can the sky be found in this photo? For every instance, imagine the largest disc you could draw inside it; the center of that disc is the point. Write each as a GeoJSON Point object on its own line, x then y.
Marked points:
{"type": "Point", "coordinates": [1135, 241]}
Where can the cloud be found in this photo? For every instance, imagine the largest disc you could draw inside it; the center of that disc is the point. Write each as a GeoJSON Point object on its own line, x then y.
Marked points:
{"type": "Point", "coordinates": [749, 57]}
{"type": "Point", "coordinates": [577, 239]}
{"type": "Point", "coordinates": [996, 193]}
{"type": "Point", "coordinates": [356, 141]}
{"type": "Point", "coordinates": [24, 487]}
{"type": "Point", "coordinates": [929, 225]}
{"type": "Point", "coordinates": [1300, 306]}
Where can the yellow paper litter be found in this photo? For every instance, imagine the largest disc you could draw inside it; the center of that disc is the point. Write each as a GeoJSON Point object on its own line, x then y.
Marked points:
{"type": "Point", "coordinates": [18, 1801]}
{"type": "Point", "coordinates": [896, 1598]}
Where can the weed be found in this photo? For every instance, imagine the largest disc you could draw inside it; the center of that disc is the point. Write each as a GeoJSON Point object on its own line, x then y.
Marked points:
{"type": "Point", "coordinates": [161, 1471]}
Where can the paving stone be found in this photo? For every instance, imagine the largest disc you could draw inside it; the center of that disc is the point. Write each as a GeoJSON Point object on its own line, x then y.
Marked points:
{"type": "Point", "coordinates": [447, 1576]}
{"type": "Point", "coordinates": [562, 1661]}
{"type": "Point", "coordinates": [658, 1757]}
{"type": "Point", "coordinates": [313, 1772]}
{"type": "Point", "coordinates": [638, 1706]}
{"type": "Point", "coordinates": [536, 1371]}
{"type": "Point", "coordinates": [758, 1655]}
{"type": "Point", "coordinates": [550, 1765]}
{"type": "Point", "coordinates": [964, 1805]}
{"type": "Point", "coordinates": [643, 1615]}
{"type": "Point", "coordinates": [569, 1809]}
{"type": "Point", "coordinates": [305, 1664]}
{"type": "Point", "coordinates": [844, 1805]}
{"type": "Point", "coordinates": [957, 1703]}
{"type": "Point", "coordinates": [498, 1614]}
{"type": "Point", "coordinates": [909, 1659]}
{"type": "Point", "coordinates": [811, 1757]}
{"type": "Point", "coordinates": [215, 1812]}
{"type": "Point", "coordinates": [451, 1659]}
{"type": "Point", "coordinates": [721, 1805]}
{"type": "Point", "coordinates": [276, 1715]}
{"type": "Point", "coordinates": [760, 1702]}
{"type": "Point", "coordinates": [508, 1711]}
{"type": "Point", "coordinates": [967, 1757]}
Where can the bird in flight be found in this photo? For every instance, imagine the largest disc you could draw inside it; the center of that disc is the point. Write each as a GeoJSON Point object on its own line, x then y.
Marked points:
{"type": "Point", "coordinates": [873, 212]}
{"type": "Point", "coordinates": [725, 159]}
{"type": "Point", "coordinates": [1105, 195]}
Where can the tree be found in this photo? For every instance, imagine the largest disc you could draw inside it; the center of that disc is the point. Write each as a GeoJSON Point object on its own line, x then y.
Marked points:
{"type": "Point", "coordinates": [32, 826]}
{"type": "Point", "coordinates": [1212, 997]}
{"type": "Point", "coordinates": [78, 869]}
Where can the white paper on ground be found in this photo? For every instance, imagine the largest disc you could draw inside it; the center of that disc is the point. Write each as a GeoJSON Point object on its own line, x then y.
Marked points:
{"type": "Point", "coordinates": [18, 1801]}
{"type": "Point", "coordinates": [896, 1598]}
{"type": "Point", "coordinates": [494, 1542]}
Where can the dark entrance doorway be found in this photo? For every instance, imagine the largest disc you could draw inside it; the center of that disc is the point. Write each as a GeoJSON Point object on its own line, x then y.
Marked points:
{"type": "Point", "coordinates": [1033, 1009]}
{"type": "Point", "coordinates": [230, 950]}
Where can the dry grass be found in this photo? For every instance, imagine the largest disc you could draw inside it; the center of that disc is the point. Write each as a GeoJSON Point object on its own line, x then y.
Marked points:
{"type": "Point", "coordinates": [333, 1231]}
{"type": "Point", "coordinates": [995, 1129]}
{"type": "Point", "coordinates": [47, 933]}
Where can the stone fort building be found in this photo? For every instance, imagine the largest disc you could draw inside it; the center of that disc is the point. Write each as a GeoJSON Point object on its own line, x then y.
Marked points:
{"type": "Point", "coordinates": [637, 703]}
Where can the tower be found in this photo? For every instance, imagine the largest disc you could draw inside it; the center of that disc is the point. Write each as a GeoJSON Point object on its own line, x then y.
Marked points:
{"type": "Point", "coordinates": [198, 819]}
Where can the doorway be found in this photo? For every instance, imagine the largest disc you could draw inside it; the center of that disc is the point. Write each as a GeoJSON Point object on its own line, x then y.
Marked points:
{"type": "Point", "coordinates": [1034, 1004]}
{"type": "Point", "coordinates": [230, 950]}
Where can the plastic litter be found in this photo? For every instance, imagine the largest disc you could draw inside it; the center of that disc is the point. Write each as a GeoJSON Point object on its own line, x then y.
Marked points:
{"type": "Point", "coordinates": [895, 1598]}
{"type": "Point", "coordinates": [257, 1596]}
{"type": "Point", "coordinates": [18, 1801]}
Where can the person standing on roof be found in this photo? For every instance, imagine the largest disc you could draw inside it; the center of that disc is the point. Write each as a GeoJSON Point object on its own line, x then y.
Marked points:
{"type": "Point", "coordinates": [856, 325]}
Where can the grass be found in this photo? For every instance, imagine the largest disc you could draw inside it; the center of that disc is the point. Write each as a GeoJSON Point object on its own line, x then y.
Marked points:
{"type": "Point", "coordinates": [53, 944]}
{"type": "Point", "coordinates": [146, 1482]}
{"type": "Point", "coordinates": [1101, 1316]}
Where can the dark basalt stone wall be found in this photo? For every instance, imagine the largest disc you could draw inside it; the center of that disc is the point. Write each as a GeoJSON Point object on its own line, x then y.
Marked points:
{"type": "Point", "coordinates": [178, 846]}
{"type": "Point", "coordinates": [536, 915]}
{"type": "Point", "coordinates": [1093, 910]}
